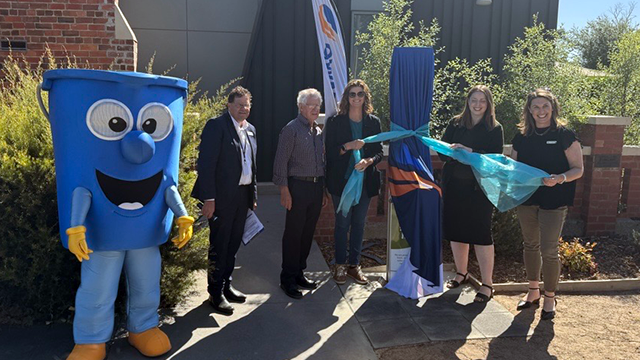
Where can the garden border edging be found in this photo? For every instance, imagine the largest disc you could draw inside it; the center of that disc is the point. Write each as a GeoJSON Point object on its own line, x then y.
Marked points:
{"type": "Point", "coordinates": [569, 286]}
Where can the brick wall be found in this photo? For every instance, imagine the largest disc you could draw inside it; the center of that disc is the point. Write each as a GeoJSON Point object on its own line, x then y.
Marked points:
{"type": "Point", "coordinates": [84, 30]}
{"type": "Point", "coordinates": [602, 174]}
{"type": "Point", "coordinates": [609, 189]}
{"type": "Point", "coordinates": [630, 189]}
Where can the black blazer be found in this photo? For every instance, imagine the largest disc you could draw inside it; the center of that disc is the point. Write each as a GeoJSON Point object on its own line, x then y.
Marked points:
{"type": "Point", "coordinates": [220, 163]}
{"type": "Point", "coordinates": [337, 132]}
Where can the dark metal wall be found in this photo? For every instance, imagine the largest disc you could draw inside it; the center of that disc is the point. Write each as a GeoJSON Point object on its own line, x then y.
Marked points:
{"type": "Point", "coordinates": [283, 59]}
{"type": "Point", "coordinates": [474, 32]}
{"type": "Point", "coordinates": [283, 55]}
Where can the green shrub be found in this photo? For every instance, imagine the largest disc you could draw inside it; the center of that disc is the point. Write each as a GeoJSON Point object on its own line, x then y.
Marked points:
{"type": "Point", "coordinates": [38, 277]}
{"type": "Point", "coordinates": [623, 84]}
{"type": "Point", "coordinates": [635, 236]}
{"type": "Point", "coordinates": [450, 86]}
{"type": "Point", "coordinates": [507, 235]}
{"type": "Point", "coordinates": [577, 258]}
{"type": "Point", "coordinates": [541, 58]}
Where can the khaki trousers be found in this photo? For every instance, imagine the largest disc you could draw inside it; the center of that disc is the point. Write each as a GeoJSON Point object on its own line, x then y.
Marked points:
{"type": "Point", "coordinates": [541, 230]}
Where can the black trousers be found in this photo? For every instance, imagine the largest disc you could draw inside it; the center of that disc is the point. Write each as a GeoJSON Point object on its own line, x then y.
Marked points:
{"type": "Point", "coordinates": [300, 224]}
{"type": "Point", "coordinates": [226, 230]}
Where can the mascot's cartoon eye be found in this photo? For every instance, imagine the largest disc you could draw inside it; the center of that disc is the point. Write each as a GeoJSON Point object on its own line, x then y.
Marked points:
{"type": "Point", "coordinates": [149, 126]}
{"type": "Point", "coordinates": [156, 120]}
{"type": "Point", "coordinates": [109, 119]}
{"type": "Point", "coordinates": [117, 124]}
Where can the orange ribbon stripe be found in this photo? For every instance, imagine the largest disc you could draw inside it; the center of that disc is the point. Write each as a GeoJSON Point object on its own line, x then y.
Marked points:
{"type": "Point", "coordinates": [416, 182]}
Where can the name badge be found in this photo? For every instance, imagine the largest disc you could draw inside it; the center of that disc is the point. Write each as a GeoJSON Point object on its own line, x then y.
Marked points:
{"type": "Point", "coordinates": [250, 133]}
{"type": "Point", "coordinates": [552, 142]}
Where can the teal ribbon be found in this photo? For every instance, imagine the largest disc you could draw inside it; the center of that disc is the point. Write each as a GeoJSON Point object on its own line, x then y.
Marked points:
{"type": "Point", "coordinates": [353, 189]}
{"type": "Point", "coordinates": [506, 182]}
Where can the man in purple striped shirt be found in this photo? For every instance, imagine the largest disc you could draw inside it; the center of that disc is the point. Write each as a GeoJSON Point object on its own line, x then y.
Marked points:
{"type": "Point", "coordinates": [299, 171]}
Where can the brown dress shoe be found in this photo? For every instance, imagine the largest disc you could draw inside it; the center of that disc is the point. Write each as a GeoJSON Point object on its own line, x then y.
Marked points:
{"type": "Point", "coordinates": [355, 272]}
{"type": "Point", "coordinates": [340, 274]}
{"type": "Point", "coordinates": [88, 352]}
{"type": "Point", "coordinates": [152, 342]}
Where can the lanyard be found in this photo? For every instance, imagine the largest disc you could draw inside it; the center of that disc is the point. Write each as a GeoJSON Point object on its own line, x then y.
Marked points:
{"type": "Point", "coordinates": [243, 143]}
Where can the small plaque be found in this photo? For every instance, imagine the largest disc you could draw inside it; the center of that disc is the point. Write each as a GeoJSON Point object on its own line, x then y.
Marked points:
{"type": "Point", "coordinates": [606, 161]}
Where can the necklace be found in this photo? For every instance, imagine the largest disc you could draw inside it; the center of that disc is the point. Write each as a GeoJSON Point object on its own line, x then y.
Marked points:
{"type": "Point", "coordinates": [543, 133]}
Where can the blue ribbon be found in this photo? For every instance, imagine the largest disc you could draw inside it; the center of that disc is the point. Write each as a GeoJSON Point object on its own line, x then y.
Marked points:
{"type": "Point", "coordinates": [506, 183]}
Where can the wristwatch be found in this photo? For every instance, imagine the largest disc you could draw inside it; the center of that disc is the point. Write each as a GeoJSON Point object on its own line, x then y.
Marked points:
{"type": "Point", "coordinates": [343, 148]}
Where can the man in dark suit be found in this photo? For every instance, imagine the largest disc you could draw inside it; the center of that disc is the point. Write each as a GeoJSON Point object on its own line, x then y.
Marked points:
{"type": "Point", "coordinates": [227, 185]}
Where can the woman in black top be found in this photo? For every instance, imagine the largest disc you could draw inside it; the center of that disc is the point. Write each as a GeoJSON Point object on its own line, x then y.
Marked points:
{"type": "Point", "coordinates": [467, 211]}
{"type": "Point", "coordinates": [543, 142]}
{"type": "Point", "coordinates": [342, 136]}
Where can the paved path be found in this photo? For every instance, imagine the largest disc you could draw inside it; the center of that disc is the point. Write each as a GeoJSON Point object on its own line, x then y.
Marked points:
{"type": "Point", "coordinates": [332, 322]}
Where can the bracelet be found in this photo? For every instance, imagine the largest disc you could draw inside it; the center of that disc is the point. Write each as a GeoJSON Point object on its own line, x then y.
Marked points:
{"type": "Point", "coordinates": [343, 148]}
{"type": "Point", "coordinates": [565, 179]}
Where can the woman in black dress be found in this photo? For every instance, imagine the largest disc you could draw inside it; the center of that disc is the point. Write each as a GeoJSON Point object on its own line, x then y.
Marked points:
{"type": "Point", "coordinates": [544, 142]}
{"type": "Point", "coordinates": [467, 211]}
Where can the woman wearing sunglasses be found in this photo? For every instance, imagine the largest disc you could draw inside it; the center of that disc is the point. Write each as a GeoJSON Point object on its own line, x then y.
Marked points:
{"type": "Point", "coordinates": [343, 134]}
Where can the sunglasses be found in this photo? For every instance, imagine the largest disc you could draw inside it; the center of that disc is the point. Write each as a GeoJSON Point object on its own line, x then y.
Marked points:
{"type": "Point", "coordinates": [358, 94]}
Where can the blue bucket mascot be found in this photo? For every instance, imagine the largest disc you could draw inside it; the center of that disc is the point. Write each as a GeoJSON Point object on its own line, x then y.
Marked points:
{"type": "Point", "coordinates": [116, 140]}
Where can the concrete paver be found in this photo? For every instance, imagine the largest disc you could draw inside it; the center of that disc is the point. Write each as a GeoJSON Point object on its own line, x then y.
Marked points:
{"type": "Point", "coordinates": [448, 326]}
{"type": "Point", "coordinates": [378, 308]}
{"type": "Point", "coordinates": [394, 332]}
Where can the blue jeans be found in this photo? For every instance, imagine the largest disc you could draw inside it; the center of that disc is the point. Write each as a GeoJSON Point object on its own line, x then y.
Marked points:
{"type": "Point", "coordinates": [100, 275]}
{"type": "Point", "coordinates": [355, 219]}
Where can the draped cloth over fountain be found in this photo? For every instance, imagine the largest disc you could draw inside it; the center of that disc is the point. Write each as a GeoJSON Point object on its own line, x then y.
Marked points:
{"type": "Point", "coordinates": [415, 195]}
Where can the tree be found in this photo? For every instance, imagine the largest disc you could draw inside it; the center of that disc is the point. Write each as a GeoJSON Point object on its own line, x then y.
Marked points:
{"type": "Point", "coordinates": [623, 84]}
{"type": "Point", "coordinates": [541, 59]}
{"type": "Point", "coordinates": [393, 28]}
{"type": "Point", "coordinates": [389, 29]}
{"type": "Point", "coordinates": [597, 38]}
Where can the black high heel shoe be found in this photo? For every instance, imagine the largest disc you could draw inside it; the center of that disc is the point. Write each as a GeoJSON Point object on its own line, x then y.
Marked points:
{"type": "Point", "coordinates": [482, 298]}
{"type": "Point", "coordinates": [522, 304]}
{"type": "Point", "coordinates": [452, 284]}
{"type": "Point", "coordinates": [548, 315]}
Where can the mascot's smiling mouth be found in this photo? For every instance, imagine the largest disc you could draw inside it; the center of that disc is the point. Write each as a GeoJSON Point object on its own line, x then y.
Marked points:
{"type": "Point", "coordinates": [129, 195]}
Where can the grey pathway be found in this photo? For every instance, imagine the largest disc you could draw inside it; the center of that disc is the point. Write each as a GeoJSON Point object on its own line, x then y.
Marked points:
{"type": "Point", "coordinates": [332, 322]}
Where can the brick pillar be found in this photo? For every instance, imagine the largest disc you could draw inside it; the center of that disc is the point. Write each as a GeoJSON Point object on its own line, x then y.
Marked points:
{"type": "Point", "coordinates": [602, 173]}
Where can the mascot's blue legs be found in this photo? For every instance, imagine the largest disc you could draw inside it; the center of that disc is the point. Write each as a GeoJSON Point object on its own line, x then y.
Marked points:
{"type": "Point", "coordinates": [142, 268]}
{"type": "Point", "coordinates": [93, 323]}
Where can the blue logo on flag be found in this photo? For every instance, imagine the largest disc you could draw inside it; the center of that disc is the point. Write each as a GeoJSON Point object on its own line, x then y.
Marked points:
{"type": "Point", "coordinates": [328, 22]}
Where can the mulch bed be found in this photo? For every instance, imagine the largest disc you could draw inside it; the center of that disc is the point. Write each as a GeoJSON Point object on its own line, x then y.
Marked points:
{"type": "Point", "coordinates": [616, 257]}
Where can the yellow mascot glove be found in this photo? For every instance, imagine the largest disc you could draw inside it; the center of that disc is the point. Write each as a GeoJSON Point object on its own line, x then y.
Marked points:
{"type": "Point", "coordinates": [185, 231]}
{"type": "Point", "coordinates": [78, 242]}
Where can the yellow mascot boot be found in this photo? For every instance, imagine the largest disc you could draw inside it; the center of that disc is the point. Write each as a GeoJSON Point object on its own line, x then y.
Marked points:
{"type": "Point", "coordinates": [88, 352]}
{"type": "Point", "coordinates": [152, 342]}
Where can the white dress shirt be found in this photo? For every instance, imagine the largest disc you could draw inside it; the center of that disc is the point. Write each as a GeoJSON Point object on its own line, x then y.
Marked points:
{"type": "Point", "coordinates": [245, 178]}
